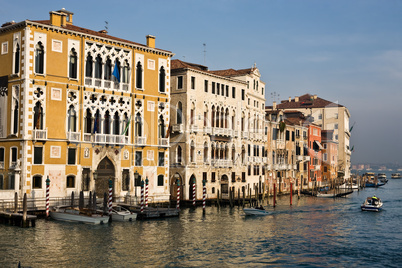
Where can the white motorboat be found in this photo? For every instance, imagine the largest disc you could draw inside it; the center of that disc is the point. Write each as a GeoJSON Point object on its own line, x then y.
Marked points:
{"type": "Point", "coordinates": [396, 175]}
{"type": "Point", "coordinates": [255, 212]}
{"type": "Point", "coordinates": [122, 214]}
{"type": "Point", "coordinates": [372, 204]}
{"type": "Point", "coordinates": [349, 186]}
{"type": "Point", "coordinates": [68, 213]}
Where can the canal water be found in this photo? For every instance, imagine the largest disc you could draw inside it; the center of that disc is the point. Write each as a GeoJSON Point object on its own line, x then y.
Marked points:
{"type": "Point", "coordinates": [313, 232]}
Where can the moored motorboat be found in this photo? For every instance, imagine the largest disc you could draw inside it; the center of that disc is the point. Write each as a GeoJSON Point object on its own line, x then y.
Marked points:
{"type": "Point", "coordinates": [372, 204]}
{"type": "Point", "coordinates": [255, 211]}
{"type": "Point", "coordinates": [68, 213]}
{"type": "Point", "coordinates": [122, 214]}
{"type": "Point", "coordinates": [349, 186]}
{"type": "Point", "coordinates": [396, 175]}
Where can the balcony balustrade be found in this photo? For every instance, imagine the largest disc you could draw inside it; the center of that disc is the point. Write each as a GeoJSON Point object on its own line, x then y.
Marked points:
{"type": "Point", "coordinates": [163, 142]}
{"type": "Point", "coordinates": [73, 136]}
{"type": "Point", "coordinates": [39, 134]}
{"type": "Point", "coordinates": [106, 84]}
{"type": "Point", "coordinates": [193, 128]}
{"type": "Point", "coordinates": [140, 141]}
{"type": "Point", "coordinates": [207, 130]}
{"type": "Point", "coordinates": [178, 128]}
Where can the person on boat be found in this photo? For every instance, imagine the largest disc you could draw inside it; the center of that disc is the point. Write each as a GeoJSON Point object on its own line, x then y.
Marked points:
{"type": "Point", "coordinates": [375, 200]}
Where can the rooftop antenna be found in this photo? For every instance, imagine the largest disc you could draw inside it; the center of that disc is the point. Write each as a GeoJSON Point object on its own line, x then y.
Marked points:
{"type": "Point", "coordinates": [274, 96]}
{"type": "Point", "coordinates": [106, 25]}
{"type": "Point", "coordinates": [205, 51]}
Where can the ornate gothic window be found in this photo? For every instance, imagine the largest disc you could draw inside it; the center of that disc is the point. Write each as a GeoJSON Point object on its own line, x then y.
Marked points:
{"type": "Point", "coordinates": [89, 66]}
{"type": "Point", "coordinates": [98, 67]}
{"type": "Point", "coordinates": [73, 64]}
{"type": "Point", "coordinates": [17, 59]}
{"type": "Point", "coordinates": [138, 75]}
{"type": "Point", "coordinates": [39, 58]}
{"type": "Point", "coordinates": [162, 75]}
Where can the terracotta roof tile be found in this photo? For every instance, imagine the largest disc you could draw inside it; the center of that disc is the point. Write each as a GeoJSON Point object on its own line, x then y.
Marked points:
{"type": "Point", "coordinates": [307, 101]}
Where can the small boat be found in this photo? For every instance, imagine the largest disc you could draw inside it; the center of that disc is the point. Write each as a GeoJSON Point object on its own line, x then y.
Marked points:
{"type": "Point", "coordinates": [396, 175]}
{"type": "Point", "coordinates": [349, 186]}
{"type": "Point", "coordinates": [122, 214]}
{"type": "Point", "coordinates": [256, 211]}
{"type": "Point", "coordinates": [372, 204]}
{"type": "Point", "coordinates": [370, 184]}
{"type": "Point", "coordinates": [68, 213]}
{"type": "Point", "coordinates": [382, 177]}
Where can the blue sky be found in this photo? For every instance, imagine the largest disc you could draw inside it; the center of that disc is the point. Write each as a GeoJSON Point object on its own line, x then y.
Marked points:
{"type": "Point", "coordinates": [345, 51]}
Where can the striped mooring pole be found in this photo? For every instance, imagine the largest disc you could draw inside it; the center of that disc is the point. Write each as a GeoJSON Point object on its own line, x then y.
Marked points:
{"type": "Point", "coordinates": [146, 192]}
{"type": "Point", "coordinates": [178, 194]}
{"type": "Point", "coordinates": [142, 196]}
{"type": "Point", "coordinates": [47, 196]}
{"type": "Point", "coordinates": [110, 195]}
{"type": "Point", "coordinates": [193, 191]}
{"type": "Point", "coordinates": [204, 193]}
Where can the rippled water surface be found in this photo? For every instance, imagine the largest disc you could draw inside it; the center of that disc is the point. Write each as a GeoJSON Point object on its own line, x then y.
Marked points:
{"type": "Point", "coordinates": [312, 233]}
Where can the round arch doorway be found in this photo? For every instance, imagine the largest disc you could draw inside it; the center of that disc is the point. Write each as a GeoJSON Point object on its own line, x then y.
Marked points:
{"type": "Point", "coordinates": [105, 171]}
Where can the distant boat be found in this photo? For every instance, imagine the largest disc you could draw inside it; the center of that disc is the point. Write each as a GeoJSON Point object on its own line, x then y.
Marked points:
{"type": "Point", "coordinates": [68, 213]}
{"type": "Point", "coordinates": [333, 194]}
{"type": "Point", "coordinates": [372, 204]}
{"type": "Point", "coordinates": [255, 212]}
{"type": "Point", "coordinates": [396, 175]}
{"type": "Point", "coordinates": [371, 184]}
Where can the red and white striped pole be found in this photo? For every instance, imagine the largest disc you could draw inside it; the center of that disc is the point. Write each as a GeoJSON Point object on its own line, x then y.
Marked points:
{"type": "Point", "coordinates": [146, 192]}
{"type": "Point", "coordinates": [194, 192]}
{"type": "Point", "coordinates": [47, 196]}
{"type": "Point", "coordinates": [142, 196]}
{"type": "Point", "coordinates": [204, 194]}
{"type": "Point", "coordinates": [178, 194]}
{"type": "Point", "coordinates": [110, 196]}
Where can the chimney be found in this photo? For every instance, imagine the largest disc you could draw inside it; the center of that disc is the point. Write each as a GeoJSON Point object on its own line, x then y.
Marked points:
{"type": "Point", "coordinates": [274, 105]}
{"type": "Point", "coordinates": [102, 31]}
{"type": "Point", "coordinates": [151, 41]}
{"type": "Point", "coordinates": [56, 19]}
{"type": "Point", "coordinates": [290, 99]}
{"type": "Point", "coordinates": [296, 99]}
{"type": "Point", "coordinates": [315, 96]}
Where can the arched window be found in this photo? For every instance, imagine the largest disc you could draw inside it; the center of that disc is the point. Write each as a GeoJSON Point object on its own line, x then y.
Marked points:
{"type": "Point", "coordinates": [72, 119]}
{"type": "Point", "coordinates": [138, 75]}
{"type": "Point", "coordinates": [233, 153]}
{"type": "Point", "coordinates": [98, 67]}
{"type": "Point", "coordinates": [38, 116]}
{"type": "Point", "coordinates": [138, 125]}
{"type": "Point", "coordinates": [161, 126]}
{"type": "Point", "coordinates": [179, 154]}
{"type": "Point", "coordinates": [39, 58]}
{"type": "Point", "coordinates": [73, 64]}
{"type": "Point", "coordinates": [88, 66]}
{"type": "Point", "coordinates": [97, 122]}
{"type": "Point", "coordinates": [116, 71]}
{"type": "Point", "coordinates": [192, 152]}
{"type": "Point", "coordinates": [106, 123]}
{"type": "Point", "coordinates": [162, 75]}
{"type": "Point", "coordinates": [179, 113]}
{"type": "Point", "coordinates": [108, 69]}
{"type": "Point", "coordinates": [116, 124]}
{"type": "Point", "coordinates": [15, 113]}
{"type": "Point", "coordinates": [17, 59]}
{"type": "Point", "coordinates": [125, 125]}
{"type": "Point", "coordinates": [205, 152]}
{"type": "Point", "coordinates": [125, 73]}
{"type": "Point", "coordinates": [160, 180]}
{"type": "Point", "coordinates": [88, 121]}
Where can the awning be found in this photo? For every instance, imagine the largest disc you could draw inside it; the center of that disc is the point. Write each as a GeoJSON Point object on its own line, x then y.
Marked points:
{"type": "Point", "coordinates": [319, 145]}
